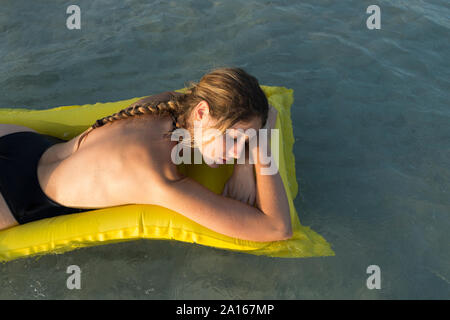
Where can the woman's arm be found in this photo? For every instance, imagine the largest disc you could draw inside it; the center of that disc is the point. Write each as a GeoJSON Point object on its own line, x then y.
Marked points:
{"type": "Point", "coordinates": [271, 196]}
{"type": "Point", "coordinates": [220, 214]}
{"type": "Point", "coordinates": [244, 186]}
{"type": "Point", "coordinates": [270, 192]}
{"type": "Point", "coordinates": [269, 221]}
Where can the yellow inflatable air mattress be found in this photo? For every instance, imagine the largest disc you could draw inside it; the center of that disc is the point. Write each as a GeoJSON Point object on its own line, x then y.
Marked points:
{"type": "Point", "coordinates": [123, 223]}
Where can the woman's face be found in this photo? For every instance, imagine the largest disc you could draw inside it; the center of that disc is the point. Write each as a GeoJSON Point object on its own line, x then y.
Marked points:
{"type": "Point", "coordinates": [214, 146]}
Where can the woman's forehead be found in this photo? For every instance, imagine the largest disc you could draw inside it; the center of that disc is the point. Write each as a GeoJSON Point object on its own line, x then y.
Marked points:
{"type": "Point", "coordinates": [255, 124]}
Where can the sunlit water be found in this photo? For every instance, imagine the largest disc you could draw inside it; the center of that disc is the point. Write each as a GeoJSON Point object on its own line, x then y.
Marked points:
{"type": "Point", "coordinates": [371, 120]}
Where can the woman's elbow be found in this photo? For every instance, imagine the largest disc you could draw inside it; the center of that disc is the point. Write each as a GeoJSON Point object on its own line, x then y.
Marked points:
{"type": "Point", "coordinates": [276, 229]}
{"type": "Point", "coordinates": [270, 233]}
{"type": "Point", "coordinates": [284, 233]}
{"type": "Point", "coordinates": [283, 229]}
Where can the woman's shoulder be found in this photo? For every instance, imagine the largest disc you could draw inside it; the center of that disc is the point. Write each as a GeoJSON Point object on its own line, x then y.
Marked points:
{"type": "Point", "coordinates": [141, 140]}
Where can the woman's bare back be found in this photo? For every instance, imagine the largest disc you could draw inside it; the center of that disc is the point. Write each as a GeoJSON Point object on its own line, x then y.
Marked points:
{"type": "Point", "coordinates": [116, 164]}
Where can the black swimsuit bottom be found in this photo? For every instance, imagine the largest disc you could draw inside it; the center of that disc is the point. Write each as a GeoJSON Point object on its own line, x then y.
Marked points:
{"type": "Point", "coordinates": [20, 153]}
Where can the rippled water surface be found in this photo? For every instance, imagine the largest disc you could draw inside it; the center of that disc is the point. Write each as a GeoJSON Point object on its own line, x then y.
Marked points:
{"type": "Point", "coordinates": [371, 120]}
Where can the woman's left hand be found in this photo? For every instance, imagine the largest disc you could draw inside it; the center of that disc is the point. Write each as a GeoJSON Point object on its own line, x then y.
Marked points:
{"type": "Point", "coordinates": [242, 184]}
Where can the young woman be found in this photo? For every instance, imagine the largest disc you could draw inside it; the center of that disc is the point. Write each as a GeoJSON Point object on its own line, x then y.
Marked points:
{"type": "Point", "coordinates": [125, 158]}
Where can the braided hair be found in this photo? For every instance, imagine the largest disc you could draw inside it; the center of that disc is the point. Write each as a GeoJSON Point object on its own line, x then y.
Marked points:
{"type": "Point", "coordinates": [232, 94]}
{"type": "Point", "coordinates": [159, 108]}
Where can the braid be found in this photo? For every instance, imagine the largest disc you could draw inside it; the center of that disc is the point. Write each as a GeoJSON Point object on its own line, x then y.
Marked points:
{"type": "Point", "coordinates": [232, 95]}
{"type": "Point", "coordinates": [159, 108]}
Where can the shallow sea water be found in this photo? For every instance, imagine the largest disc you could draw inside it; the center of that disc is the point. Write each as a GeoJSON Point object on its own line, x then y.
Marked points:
{"type": "Point", "coordinates": [371, 121]}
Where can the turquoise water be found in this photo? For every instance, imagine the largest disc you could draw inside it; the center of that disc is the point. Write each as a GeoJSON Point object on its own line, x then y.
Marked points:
{"type": "Point", "coordinates": [371, 121]}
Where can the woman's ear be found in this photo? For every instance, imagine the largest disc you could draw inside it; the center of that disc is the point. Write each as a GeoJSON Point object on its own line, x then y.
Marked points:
{"type": "Point", "coordinates": [201, 111]}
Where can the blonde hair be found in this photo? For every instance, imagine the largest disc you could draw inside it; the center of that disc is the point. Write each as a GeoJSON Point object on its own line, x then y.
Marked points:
{"type": "Point", "coordinates": [232, 94]}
